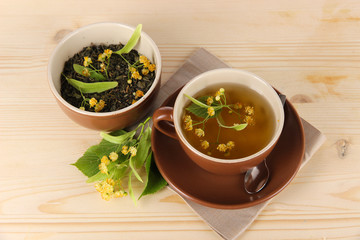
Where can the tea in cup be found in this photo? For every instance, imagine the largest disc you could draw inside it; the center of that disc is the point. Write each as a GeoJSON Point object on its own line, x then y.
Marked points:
{"type": "Point", "coordinates": [226, 120]}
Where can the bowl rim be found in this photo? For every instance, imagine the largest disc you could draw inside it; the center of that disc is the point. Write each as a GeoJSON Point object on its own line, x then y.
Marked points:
{"type": "Point", "coordinates": [262, 151]}
{"type": "Point", "coordinates": [103, 114]}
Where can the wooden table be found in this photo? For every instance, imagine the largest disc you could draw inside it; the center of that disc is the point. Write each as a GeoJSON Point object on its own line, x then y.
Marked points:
{"type": "Point", "coordinates": [310, 50]}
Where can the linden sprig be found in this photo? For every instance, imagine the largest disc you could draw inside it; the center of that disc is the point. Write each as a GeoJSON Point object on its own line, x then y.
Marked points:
{"type": "Point", "coordinates": [205, 107]}
{"type": "Point", "coordinates": [119, 156]}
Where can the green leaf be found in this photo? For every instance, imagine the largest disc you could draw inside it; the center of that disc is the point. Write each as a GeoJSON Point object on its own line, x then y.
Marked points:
{"type": "Point", "coordinates": [134, 170]}
{"type": "Point", "coordinates": [143, 148]}
{"type": "Point", "coordinates": [93, 74]}
{"type": "Point", "coordinates": [119, 170]}
{"type": "Point", "coordinates": [116, 171]}
{"type": "Point", "coordinates": [201, 111]}
{"type": "Point", "coordinates": [96, 87]}
{"type": "Point", "coordinates": [155, 182]}
{"type": "Point", "coordinates": [197, 111]}
{"type": "Point", "coordinates": [97, 177]}
{"type": "Point", "coordinates": [236, 126]}
{"type": "Point", "coordinates": [88, 164]}
{"type": "Point", "coordinates": [197, 102]}
{"type": "Point", "coordinates": [120, 139]}
{"type": "Point", "coordinates": [132, 41]}
{"type": "Point", "coordinates": [131, 192]}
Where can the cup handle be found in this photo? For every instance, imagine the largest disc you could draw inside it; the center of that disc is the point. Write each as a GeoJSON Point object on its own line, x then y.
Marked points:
{"type": "Point", "coordinates": [164, 121]}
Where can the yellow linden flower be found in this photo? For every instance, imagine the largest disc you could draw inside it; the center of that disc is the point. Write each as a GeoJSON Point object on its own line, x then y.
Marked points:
{"type": "Point", "coordinates": [249, 110]}
{"type": "Point", "coordinates": [222, 147]}
{"type": "Point", "coordinates": [132, 69]}
{"type": "Point", "coordinates": [105, 160]}
{"type": "Point", "coordinates": [129, 81]}
{"type": "Point", "coordinates": [249, 120]}
{"type": "Point", "coordinates": [101, 57]}
{"type": "Point", "coordinates": [211, 111]}
{"type": "Point", "coordinates": [136, 75]}
{"type": "Point", "coordinates": [199, 132]}
{"type": "Point", "coordinates": [92, 102]}
{"type": "Point", "coordinates": [107, 187]}
{"type": "Point", "coordinates": [188, 123]}
{"type": "Point", "coordinates": [87, 61]}
{"type": "Point", "coordinates": [85, 72]}
{"type": "Point", "coordinates": [146, 64]}
{"type": "Point", "coordinates": [139, 93]}
{"type": "Point", "coordinates": [108, 52]}
{"type": "Point", "coordinates": [82, 108]}
{"type": "Point", "coordinates": [205, 144]}
{"type": "Point", "coordinates": [98, 187]}
{"type": "Point", "coordinates": [188, 126]}
{"type": "Point", "coordinates": [145, 71]}
{"type": "Point", "coordinates": [133, 151]}
{"type": "Point", "coordinates": [113, 156]}
{"type": "Point", "coordinates": [100, 105]}
{"type": "Point", "coordinates": [143, 59]}
{"type": "Point", "coordinates": [119, 193]}
{"type": "Point", "coordinates": [102, 67]}
{"type": "Point", "coordinates": [103, 168]}
{"type": "Point", "coordinates": [133, 101]}
{"type": "Point", "coordinates": [221, 90]}
{"type": "Point", "coordinates": [125, 150]}
{"type": "Point", "coordinates": [110, 181]}
{"type": "Point", "coordinates": [106, 196]}
{"type": "Point", "coordinates": [187, 118]}
{"type": "Point", "coordinates": [209, 100]}
{"type": "Point", "coordinates": [152, 67]}
{"type": "Point", "coordinates": [230, 145]}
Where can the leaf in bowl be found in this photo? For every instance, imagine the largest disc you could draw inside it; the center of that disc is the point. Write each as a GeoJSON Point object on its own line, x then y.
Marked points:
{"type": "Point", "coordinates": [96, 87]}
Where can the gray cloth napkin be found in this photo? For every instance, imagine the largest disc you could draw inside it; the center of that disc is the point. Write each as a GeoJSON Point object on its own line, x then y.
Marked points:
{"type": "Point", "coordinates": [229, 224]}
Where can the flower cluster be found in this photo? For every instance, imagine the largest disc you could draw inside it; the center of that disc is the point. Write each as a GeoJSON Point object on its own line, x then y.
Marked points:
{"type": "Point", "coordinates": [110, 189]}
{"type": "Point", "coordinates": [126, 150]}
{"type": "Point", "coordinates": [142, 64]}
{"type": "Point", "coordinates": [207, 107]}
{"type": "Point", "coordinates": [93, 103]}
{"type": "Point", "coordinates": [97, 105]}
{"type": "Point", "coordinates": [225, 147]}
{"type": "Point", "coordinates": [105, 161]}
{"type": "Point", "coordinates": [104, 58]}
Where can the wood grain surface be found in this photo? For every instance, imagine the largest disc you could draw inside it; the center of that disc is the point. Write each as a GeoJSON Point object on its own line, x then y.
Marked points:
{"type": "Point", "coordinates": [308, 49]}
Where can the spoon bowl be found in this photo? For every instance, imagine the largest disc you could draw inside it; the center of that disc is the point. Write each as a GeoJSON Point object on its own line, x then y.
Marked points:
{"type": "Point", "coordinates": [256, 178]}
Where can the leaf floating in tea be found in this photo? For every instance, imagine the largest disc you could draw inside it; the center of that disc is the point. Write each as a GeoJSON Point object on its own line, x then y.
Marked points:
{"type": "Point", "coordinates": [236, 126]}
{"type": "Point", "coordinates": [197, 102]}
{"type": "Point", "coordinates": [92, 73]}
{"type": "Point", "coordinates": [132, 41]}
{"type": "Point", "coordinates": [96, 87]}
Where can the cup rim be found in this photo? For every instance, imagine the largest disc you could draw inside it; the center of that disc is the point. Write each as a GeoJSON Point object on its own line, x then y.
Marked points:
{"type": "Point", "coordinates": [271, 143]}
{"type": "Point", "coordinates": [104, 114]}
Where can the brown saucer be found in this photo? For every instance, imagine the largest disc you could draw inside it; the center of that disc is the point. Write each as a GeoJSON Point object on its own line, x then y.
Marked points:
{"type": "Point", "coordinates": [227, 192]}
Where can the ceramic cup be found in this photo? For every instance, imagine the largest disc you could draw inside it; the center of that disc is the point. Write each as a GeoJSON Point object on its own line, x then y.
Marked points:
{"type": "Point", "coordinates": [103, 33]}
{"type": "Point", "coordinates": [168, 120]}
